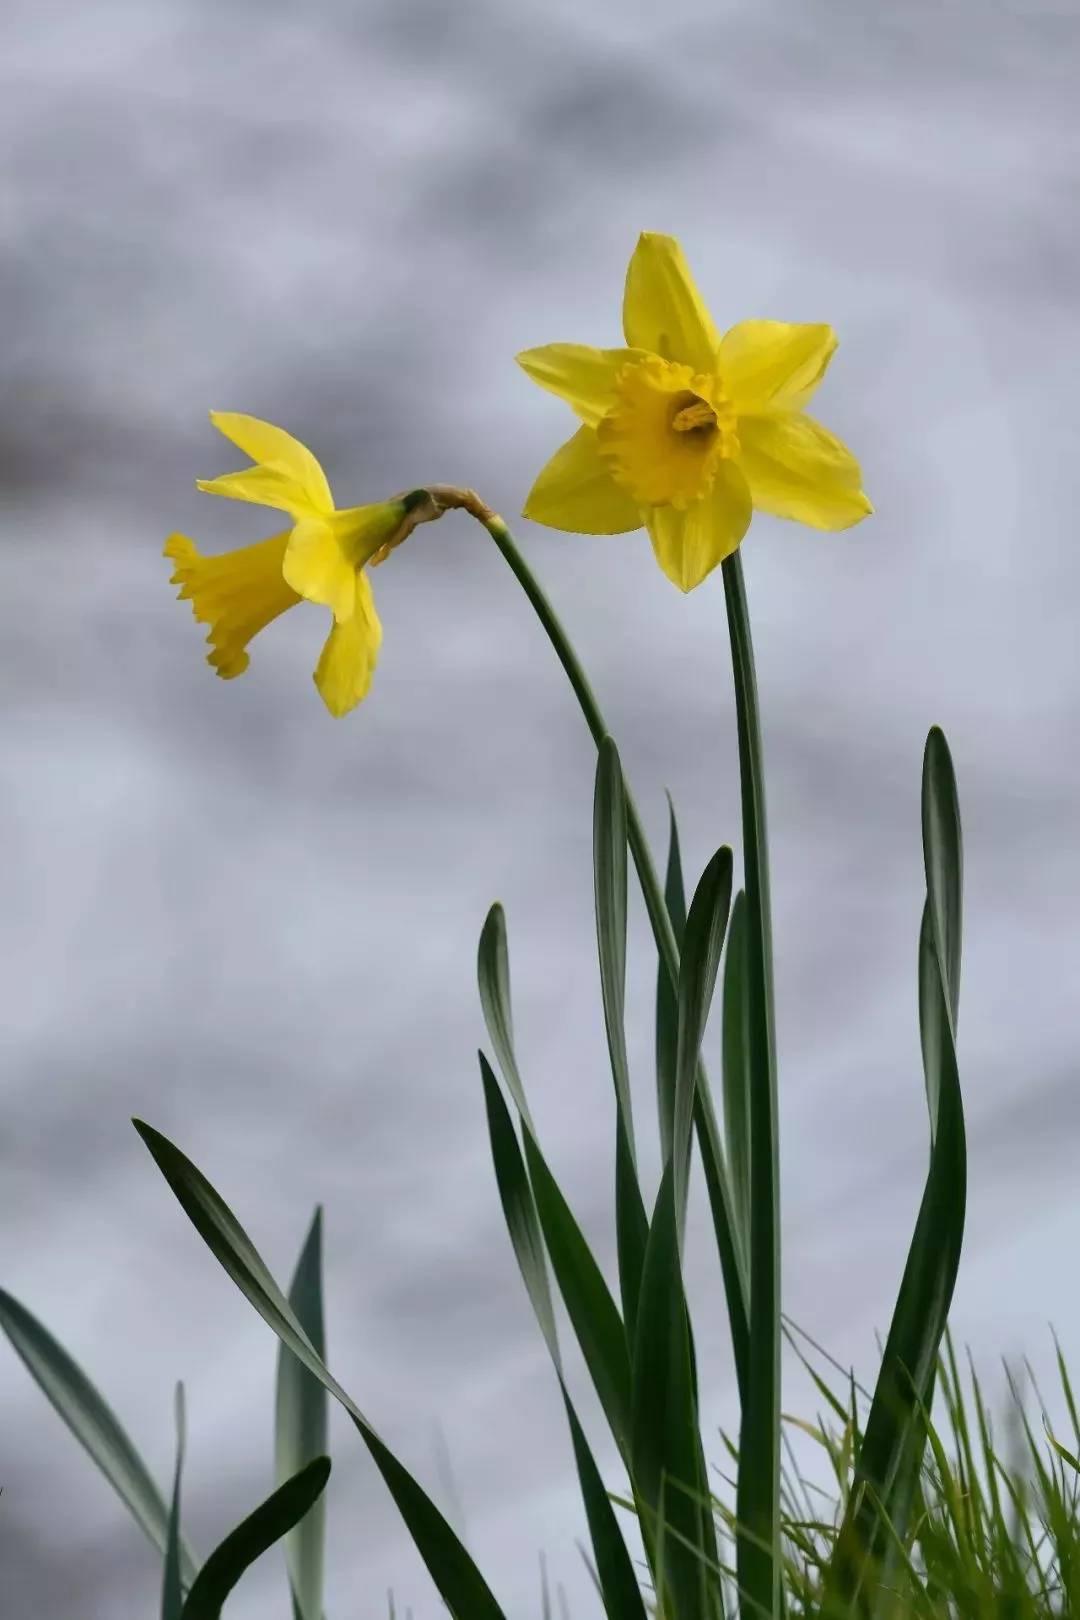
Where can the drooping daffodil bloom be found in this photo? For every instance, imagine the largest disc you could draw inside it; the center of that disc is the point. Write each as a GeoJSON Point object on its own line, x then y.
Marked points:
{"type": "Point", "coordinates": [320, 557]}
{"type": "Point", "coordinates": [685, 431]}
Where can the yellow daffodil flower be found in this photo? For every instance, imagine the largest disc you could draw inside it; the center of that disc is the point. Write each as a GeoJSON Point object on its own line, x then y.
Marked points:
{"type": "Point", "coordinates": [319, 558]}
{"type": "Point", "coordinates": [685, 431]}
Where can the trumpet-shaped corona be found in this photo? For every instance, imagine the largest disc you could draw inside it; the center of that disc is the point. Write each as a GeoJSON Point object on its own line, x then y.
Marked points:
{"type": "Point", "coordinates": [686, 431]}
{"type": "Point", "coordinates": [320, 558]}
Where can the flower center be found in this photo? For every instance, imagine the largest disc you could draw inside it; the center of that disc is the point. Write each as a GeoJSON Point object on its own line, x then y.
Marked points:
{"type": "Point", "coordinates": [666, 433]}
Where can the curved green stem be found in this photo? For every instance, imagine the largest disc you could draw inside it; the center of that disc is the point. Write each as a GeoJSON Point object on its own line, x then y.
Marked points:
{"type": "Point", "coordinates": [651, 889]}
{"type": "Point", "coordinates": [758, 1501]}
{"type": "Point", "coordinates": [708, 1130]}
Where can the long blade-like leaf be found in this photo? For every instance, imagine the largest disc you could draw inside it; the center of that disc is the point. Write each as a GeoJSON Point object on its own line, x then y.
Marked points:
{"type": "Point", "coordinates": [592, 1311]}
{"type": "Point", "coordinates": [609, 887]}
{"type": "Point", "coordinates": [667, 1464]}
{"type": "Point", "coordinates": [702, 945]}
{"type": "Point", "coordinates": [172, 1586]}
{"type": "Point", "coordinates": [493, 974]}
{"type": "Point", "coordinates": [733, 1261]}
{"type": "Point", "coordinates": [943, 855]}
{"type": "Point", "coordinates": [614, 1569]}
{"type": "Point", "coordinates": [736, 1016]}
{"type": "Point", "coordinates": [93, 1423]}
{"type": "Point", "coordinates": [301, 1424]}
{"type": "Point", "coordinates": [894, 1439]}
{"type": "Point", "coordinates": [667, 1007]}
{"type": "Point", "coordinates": [459, 1582]}
{"type": "Point", "coordinates": [269, 1522]}
{"type": "Point", "coordinates": [609, 882]}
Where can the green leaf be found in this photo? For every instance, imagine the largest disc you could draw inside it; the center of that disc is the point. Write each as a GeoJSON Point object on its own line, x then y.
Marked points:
{"type": "Point", "coordinates": [609, 885]}
{"type": "Point", "coordinates": [459, 1582]}
{"type": "Point", "coordinates": [301, 1426]}
{"type": "Point", "coordinates": [724, 1216]}
{"type": "Point", "coordinates": [592, 1311]}
{"type": "Point", "coordinates": [736, 1068]}
{"type": "Point", "coordinates": [614, 1569]}
{"type": "Point", "coordinates": [631, 1228]}
{"type": "Point", "coordinates": [943, 854]}
{"type": "Point", "coordinates": [667, 1009]}
{"type": "Point", "coordinates": [93, 1424]}
{"type": "Point", "coordinates": [609, 875]}
{"type": "Point", "coordinates": [667, 1464]}
{"type": "Point", "coordinates": [172, 1590]}
{"type": "Point", "coordinates": [702, 945]}
{"type": "Point", "coordinates": [493, 974]}
{"type": "Point", "coordinates": [895, 1434]}
{"type": "Point", "coordinates": [269, 1522]}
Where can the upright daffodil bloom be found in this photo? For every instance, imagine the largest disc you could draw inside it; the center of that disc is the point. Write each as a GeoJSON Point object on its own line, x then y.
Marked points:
{"type": "Point", "coordinates": [685, 431]}
{"type": "Point", "coordinates": [320, 557]}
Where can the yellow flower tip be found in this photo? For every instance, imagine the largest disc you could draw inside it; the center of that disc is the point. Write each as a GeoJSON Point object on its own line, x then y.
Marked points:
{"type": "Point", "coordinates": [658, 239]}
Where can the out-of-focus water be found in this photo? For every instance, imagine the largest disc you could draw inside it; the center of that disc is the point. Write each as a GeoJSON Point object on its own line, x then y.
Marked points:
{"type": "Point", "coordinates": [256, 928]}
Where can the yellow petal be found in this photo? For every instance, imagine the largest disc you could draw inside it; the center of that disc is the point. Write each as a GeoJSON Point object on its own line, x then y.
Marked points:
{"type": "Point", "coordinates": [237, 594]}
{"type": "Point", "coordinates": [689, 544]}
{"type": "Point", "coordinates": [584, 377]}
{"type": "Point", "coordinates": [575, 491]}
{"type": "Point", "coordinates": [774, 363]}
{"type": "Point", "coordinates": [264, 442]}
{"type": "Point", "coordinates": [269, 484]}
{"type": "Point", "coordinates": [798, 469]}
{"type": "Point", "coordinates": [663, 310]}
{"type": "Point", "coordinates": [318, 570]}
{"type": "Point", "coordinates": [347, 663]}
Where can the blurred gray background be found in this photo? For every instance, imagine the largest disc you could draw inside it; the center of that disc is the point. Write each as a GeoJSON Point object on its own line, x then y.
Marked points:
{"type": "Point", "coordinates": [255, 927]}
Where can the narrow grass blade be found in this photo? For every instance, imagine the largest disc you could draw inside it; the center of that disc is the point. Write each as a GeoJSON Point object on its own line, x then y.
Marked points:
{"type": "Point", "coordinates": [93, 1423]}
{"type": "Point", "coordinates": [759, 1551]}
{"type": "Point", "coordinates": [301, 1426]}
{"type": "Point", "coordinates": [702, 945]}
{"type": "Point", "coordinates": [258, 1532]}
{"type": "Point", "coordinates": [667, 1007]}
{"type": "Point", "coordinates": [614, 1569]}
{"type": "Point", "coordinates": [736, 1068]}
{"type": "Point", "coordinates": [459, 1582]}
{"type": "Point", "coordinates": [894, 1439]}
{"type": "Point", "coordinates": [172, 1587]}
{"type": "Point", "coordinates": [493, 974]}
{"type": "Point", "coordinates": [667, 1464]}
{"type": "Point", "coordinates": [609, 882]}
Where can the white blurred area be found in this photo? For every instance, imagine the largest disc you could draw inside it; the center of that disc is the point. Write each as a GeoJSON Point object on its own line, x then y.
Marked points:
{"type": "Point", "coordinates": [256, 927]}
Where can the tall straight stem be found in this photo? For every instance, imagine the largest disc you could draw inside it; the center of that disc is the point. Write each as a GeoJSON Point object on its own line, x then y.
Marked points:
{"type": "Point", "coordinates": [758, 1499]}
